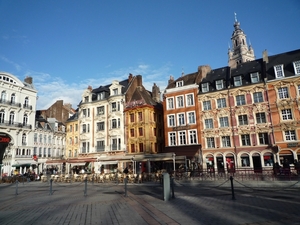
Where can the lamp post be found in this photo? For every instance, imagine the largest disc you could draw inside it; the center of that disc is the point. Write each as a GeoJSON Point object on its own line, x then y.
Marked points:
{"type": "Point", "coordinates": [174, 160]}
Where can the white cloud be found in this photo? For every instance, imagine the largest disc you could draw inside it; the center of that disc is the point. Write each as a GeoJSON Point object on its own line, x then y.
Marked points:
{"type": "Point", "coordinates": [15, 65]}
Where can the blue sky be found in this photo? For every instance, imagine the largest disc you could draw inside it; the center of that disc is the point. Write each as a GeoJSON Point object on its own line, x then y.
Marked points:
{"type": "Point", "coordinates": [67, 45]}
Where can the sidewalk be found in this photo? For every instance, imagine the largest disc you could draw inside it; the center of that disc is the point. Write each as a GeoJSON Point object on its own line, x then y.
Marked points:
{"type": "Point", "coordinates": [195, 202]}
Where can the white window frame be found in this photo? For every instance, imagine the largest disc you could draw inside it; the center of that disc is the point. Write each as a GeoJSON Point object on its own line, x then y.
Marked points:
{"type": "Point", "coordinates": [254, 77]}
{"type": "Point", "coordinates": [296, 65]}
{"type": "Point", "coordinates": [245, 140]}
{"type": "Point", "coordinates": [181, 119]}
{"type": "Point", "coordinates": [243, 120]}
{"type": "Point", "coordinates": [286, 114]}
{"type": "Point", "coordinates": [179, 83]}
{"type": "Point", "coordinates": [205, 87]}
{"type": "Point", "coordinates": [182, 137]}
{"type": "Point", "coordinates": [258, 97]}
{"type": "Point", "coordinates": [170, 103]}
{"type": "Point", "coordinates": [206, 105]}
{"type": "Point", "coordinates": [261, 117]}
{"type": "Point", "coordinates": [224, 122]}
{"type": "Point", "coordinates": [193, 137]}
{"type": "Point", "coordinates": [172, 138]}
{"type": "Point", "coordinates": [221, 102]}
{"type": "Point", "coordinates": [283, 92]}
{"type": "Point", "coordinates": [226, 141]}
{"type": "Point", "coordinates": [219, 84]}
{"type": "Point", "coordinates": [209, 123]}
{"type": "Point", "coordinates": [171, 120]}
{"type": "Point", "coordinates": [210, 142]}
{"type": "Point", "coordinates": [290, 135]}
{"type": "Point", "coordinates": [237, 80]}
{"type": "Point", "coordinates": [191, 117]}
{"type": "Point", "coordinates": [278, 70]}
{"type": "Point", "coordinates": [240, 100]}
{"type": "Point", "coordinates": [180, 101]}
{"type": "Point", "coordinates": [190, 100]}
{"type": "Point", "coordinates": [263, 138]}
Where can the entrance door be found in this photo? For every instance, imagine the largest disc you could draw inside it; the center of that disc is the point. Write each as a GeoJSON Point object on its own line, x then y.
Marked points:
{"type": "Point", "coordinates": [257, 163]}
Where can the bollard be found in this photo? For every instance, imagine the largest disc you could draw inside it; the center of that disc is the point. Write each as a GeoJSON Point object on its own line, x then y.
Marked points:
{"type": "Point", "coordinates": [172, 187]}
{"type": "Point", "coordinates": [125, 182]}
{"type": "Point", "coordinates": [85, 187]}
{"type": "Point", "coordinates": [17, 187]}
{"type": "Point", "coordinates": [50, 190]}
{"type": "Point", "coordinates": [232, 189]}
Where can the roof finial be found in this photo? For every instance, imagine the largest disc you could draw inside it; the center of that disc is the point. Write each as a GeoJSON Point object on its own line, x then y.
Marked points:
{"type": "Point", "coordinates": [182, 72]}
{"type": "Point", "coordinates": [235, 17]}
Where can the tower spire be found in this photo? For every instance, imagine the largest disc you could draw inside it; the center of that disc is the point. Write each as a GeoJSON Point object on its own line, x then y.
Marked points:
{"type": "Point", "coordinates": [235, 19]}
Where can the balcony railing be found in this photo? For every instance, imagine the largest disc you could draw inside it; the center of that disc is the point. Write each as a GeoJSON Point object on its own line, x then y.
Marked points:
{"type": "Point", "coordinates": [14, 124]}
{"type": "Point", "coordinates": [115, 147]}
{"type": "Point", "coordinates": [12, 103]}
{"type": "Point", "coordinates": [100, 148]}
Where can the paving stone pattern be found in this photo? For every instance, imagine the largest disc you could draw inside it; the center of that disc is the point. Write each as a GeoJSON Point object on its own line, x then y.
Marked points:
{"type": "Point", "coordinates": [195, 202]}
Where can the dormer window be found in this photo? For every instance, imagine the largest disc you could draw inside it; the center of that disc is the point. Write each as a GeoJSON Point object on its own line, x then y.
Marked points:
{"type": "Point", "coordinates": [86, 99]}
{"type": "Point", "coordinates": [254, 77]}
{"type": "Point", "coordinates": [179, 83]}
{"type": "Point", "coordinates": [297, 67]}
{"type": "Point", "coordinates": [237, 81]}
{"type": "Point", "coordinates": [115, 91]}
{"type": "Point", "coordinates": [205, 87]}
{"type": "Point", "coordinates": [219, 84]}
{"type": "Point", "coordinates": [101, 96]}
{"type": "Point", "coordinates": [279, 71]}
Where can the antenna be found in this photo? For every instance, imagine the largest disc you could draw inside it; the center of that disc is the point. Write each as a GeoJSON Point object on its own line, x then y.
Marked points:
{"type": "Point", "coordinates": [182, 72]}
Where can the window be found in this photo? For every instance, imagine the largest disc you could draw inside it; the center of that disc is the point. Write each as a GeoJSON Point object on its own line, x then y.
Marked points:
{"type": "Point", "coordinates": [114, 107]}
{"type": "Point", "coordinates": [224, 122]}
{"type": "Point", "coordinates": [193, 136]}
{"type": "Point", "coordinates": [243, 120]}
{"type": "Point", "coordinates": [180, 101]}
{"type": "Point", "coordinates": [240, 100]}
{"type": "Point", "coordinates": [84, 113]}
{"type": "Point", "coordinates": [100, 146]}
{"type": "Point", "coordinates": [131, 117]}
{"type": "Point", "coordinates": [261, 118]}
{"type": "Point", "coordinates": [141, 147]}
{"type": "Point", "coordinates": [140, 116]}
{"type": "Point", "coordinates": [245, 160]}
{"type": "Point", "coordinates": [258, 97]}
{"type": "Point", "coordinates": [13, 98]}
{"type": "Point", "coordinates": [297, 67]}
{"type": "Point", "coordinates": [290, 135]}
{"type": "Point", "coordinates": [191, 118]}
{"type": "Point", "coordinates": [206, 105]}
{"type": "Point", "coordinates": [115, 91]}
{"type": "Point", "coordinates": [210, 142]}
{"type": "Point", "coordinates": [86, 99]}
{"type": "Point", "coordinates": [76, 127]}
{"type": "Point", "coordinates": [113, 123]}
{"type": "Point", "coordinates": [132, 147]}
{"type": "Point", "coordinates": [219, 84]}
{"type": "Point", "coordinates": [208, 123]}
{"type": "Point", "coordinates": [245, 139]}
{"type": "Point", "coordinates": [2, 116]}
{"type": "Point", "coordinates": [141, 131]}
{"type": "Point", "coordinates": [221, 102]}
{"type": "Point", "coordinates": [170, 103]}
{"type": "Point", "coordinates": [100, 126]}
{"type": "Point", "coordinates": [100, 110]}
{"type": "Point", "coordinates": [84, 128]}
{"type": "Point", "coordinates": [286, 114]}
{"type": "Point", "coordinates": [70, 141]}
{"type": "Point", "coordinates": [254, 77]}
{"type": "Point", "coordinates": [11, 118]}
{"type": "Point", "coordinates": [179, 83]}
{"type": "Point", "coordinates": [181, 120]}
{"type": "Point", "coordinates": [132, 132]}
{"type": "Point", "coordinates": [171, 120]}
{"type": "Point", "coordinates": [182, 138]}
{"type": "Point", "coordinates": [279, 71]}
{"type": "Point", "coordinates": [24, 139]}
{"type": "Point", "coordinates": [298, 89]}
{"type": "Point", "coordinates": [190, 99]}
{"type": "Point", "coordinates": [3, 96]}
{"type": "Point", "coordinates": [237, 81]}
{"type": "Point", "coordinates": [205, 87]}
{"type": "Point", "coordinates": [283, 92]}
{"type": "Point", "coordinates": [25, 120]}
{"type": "Point", "coordinates": [226, 141]}
{"type": "Point", "coordinates": [263, 138]}
{"type": "Point", "coordinates": [172, 139]}
{"type": "Point", "coordinates": [26, 102]}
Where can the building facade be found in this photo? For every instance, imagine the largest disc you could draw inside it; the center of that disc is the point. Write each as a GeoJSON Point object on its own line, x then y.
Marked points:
{"type": "Point", "coordinates": [17, 122]}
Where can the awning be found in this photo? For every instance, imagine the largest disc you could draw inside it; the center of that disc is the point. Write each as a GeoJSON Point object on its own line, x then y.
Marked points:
{"type": "Point", "coordinates": [108, 162]}
{"type": "Point", "coordinates": [78, 164]}
{"type": "Point", "coordinates": [22, 165]}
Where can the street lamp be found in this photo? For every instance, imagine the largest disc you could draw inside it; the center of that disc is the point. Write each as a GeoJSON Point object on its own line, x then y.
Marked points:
{"type": "Point", "coordinates": [174, 158]}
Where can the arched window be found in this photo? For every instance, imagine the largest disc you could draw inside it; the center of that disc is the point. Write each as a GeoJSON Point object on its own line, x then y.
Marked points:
{"type": "Point", "coordinates": [3, 96]}
{"type": "Point", "coordinates": [13, 98]}
{"type": "Point", "coordinates": [2, 116]}
{"type": "Point", "coordinates": [11, 117]}
{"type": "Point", "coordinates": [26, 102]}
{"type": "Point", "coordinates": [25, 120]}
{"type": "Point", "coordinates": [24, 139]}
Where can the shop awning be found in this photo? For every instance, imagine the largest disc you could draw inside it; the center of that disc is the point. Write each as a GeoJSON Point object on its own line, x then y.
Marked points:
{"type": "Point", "coordinates": [108, 162]}
{"type": "Point", "coordinates": [78, 163]}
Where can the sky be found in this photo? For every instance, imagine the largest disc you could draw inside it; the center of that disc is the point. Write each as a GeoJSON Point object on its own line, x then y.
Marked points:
{"type": "Point", "coordinates": [67, 45]}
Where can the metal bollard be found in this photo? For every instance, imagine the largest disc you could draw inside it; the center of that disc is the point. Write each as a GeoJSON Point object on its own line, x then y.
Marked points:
{"type": "Point", "coordinates": [172, 187]}
{"type": "Point", "coordinates": [232, 189]}
{"type": "Point", "coordinates": [50, 189]}
{"type": "Point", "coordinates": [85, 187]}
{"type": "Point", "coordinates": [17, 187]}
{"type": "Point", "coordinates": [125, 182]}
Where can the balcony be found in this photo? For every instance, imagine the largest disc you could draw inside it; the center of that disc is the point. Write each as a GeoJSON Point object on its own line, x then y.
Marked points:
{"type": "Point", "coordinates": [26, 106]}
{"type": "Point", "coordinates": [7, 123]}
{"type": "Point", "coordinates": [115, 147]}
{"type": "Point", "coordinates": [11, 103]}
{"type": "Point", "coordinates": [100, 148]}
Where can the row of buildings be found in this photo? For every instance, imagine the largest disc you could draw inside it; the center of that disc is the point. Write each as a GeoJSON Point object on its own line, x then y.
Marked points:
{"type": "Point", "coordinates": [241, 116]}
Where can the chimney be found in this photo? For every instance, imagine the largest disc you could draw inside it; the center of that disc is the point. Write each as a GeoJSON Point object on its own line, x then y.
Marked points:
{"type": "Point", "coordinates": [28, 80]}
{"type": "Point", "coordinates": [265, 56]}
{"type": "Point", "coordinates": [90, 88]}
{"type": "Point", "coordinates": [130, 77]}
{"type": "Point", "coordinates": [202, 72]}
{"type": "Point", "coordinates": [155, 93]}
{"type": "Point", "coordinates": [171, 80]}
{"type": "Point", "coordinates": [139, 80]}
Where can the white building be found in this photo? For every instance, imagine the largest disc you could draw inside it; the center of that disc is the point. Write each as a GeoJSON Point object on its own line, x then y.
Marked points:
{"type": "Point", "coordinates": [17, 121]}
